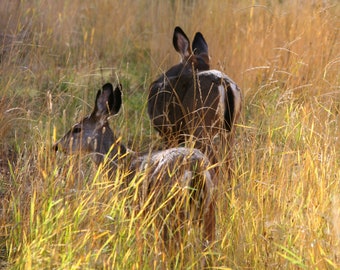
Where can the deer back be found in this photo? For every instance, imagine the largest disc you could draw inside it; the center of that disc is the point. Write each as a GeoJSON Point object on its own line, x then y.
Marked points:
{"type": "Point", "coordinates": [179, 176]}
{"type": "Point", "coordinates": [206, 101]}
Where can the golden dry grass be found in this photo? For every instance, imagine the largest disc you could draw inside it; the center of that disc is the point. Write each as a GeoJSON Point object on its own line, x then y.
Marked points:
{"type": "Point", "coordinates": [280, 210]}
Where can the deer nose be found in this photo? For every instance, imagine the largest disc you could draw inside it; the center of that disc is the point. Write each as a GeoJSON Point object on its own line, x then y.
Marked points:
{"type": "Point", "coordinates": [55, 147]}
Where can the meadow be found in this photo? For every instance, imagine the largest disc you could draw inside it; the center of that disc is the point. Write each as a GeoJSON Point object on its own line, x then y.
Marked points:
{"type": "Point", "coordinates": [281, 207]}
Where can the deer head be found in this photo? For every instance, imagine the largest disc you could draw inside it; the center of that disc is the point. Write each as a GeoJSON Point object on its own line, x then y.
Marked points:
{"type": "Point", "coordinates": [196, 58]}
{"type": "Point", "coordinates": [93, 134]}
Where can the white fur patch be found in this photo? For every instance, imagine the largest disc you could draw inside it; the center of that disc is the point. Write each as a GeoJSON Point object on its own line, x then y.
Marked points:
{"type": "Point", "coordinates": [233, 86]}
{"type": "Point", "coordinates": [216, 73]}
{"type": "Point", "coordinates": [237, 98]}
{"type": "Point", "coordinates": [221, 103]}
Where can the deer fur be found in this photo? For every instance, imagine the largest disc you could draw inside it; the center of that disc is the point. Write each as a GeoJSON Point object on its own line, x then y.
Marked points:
{"type": "Point", "coordinates": [192, 102]}
{"type": "Point", "coordinates": [182, 169]}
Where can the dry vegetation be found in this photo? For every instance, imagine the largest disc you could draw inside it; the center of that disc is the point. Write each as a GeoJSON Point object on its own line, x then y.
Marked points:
{"type": "Point", "coordinates": [281, 210]}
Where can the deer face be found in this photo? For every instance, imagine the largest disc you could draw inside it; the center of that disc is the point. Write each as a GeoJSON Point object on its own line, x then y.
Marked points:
{"type": "Point", "coordinates": [87, 136]}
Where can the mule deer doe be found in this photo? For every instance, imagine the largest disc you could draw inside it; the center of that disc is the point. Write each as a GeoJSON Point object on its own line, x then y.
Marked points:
{"type": "Point", "coordinates": [192, 102]}
{"type": "Point", "coordinates": [183, 172]}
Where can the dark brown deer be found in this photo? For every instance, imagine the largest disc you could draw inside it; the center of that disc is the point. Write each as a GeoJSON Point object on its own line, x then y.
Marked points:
{"type": "Point", "coordinates": [192, 102]}
{"type": "Point", "coordinates": [179, 176]}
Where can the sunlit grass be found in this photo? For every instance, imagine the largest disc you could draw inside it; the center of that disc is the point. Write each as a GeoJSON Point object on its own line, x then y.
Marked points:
{"type": "Point", "coordinates": [281, 208]}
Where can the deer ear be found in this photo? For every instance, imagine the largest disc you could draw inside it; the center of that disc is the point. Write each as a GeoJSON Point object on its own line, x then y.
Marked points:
{"type": "Point", "coordinates": [107, 101]}
{"type": "Point", "coordinates": [199, 45]}
{"type": "Point", "coordinates": [181, 43]}
{"type": "Point", "coordinates": [117, 96]}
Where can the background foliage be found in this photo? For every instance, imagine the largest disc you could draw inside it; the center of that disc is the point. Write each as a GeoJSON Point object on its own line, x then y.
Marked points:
{"type": "Point", "coordinates": [280, 210]}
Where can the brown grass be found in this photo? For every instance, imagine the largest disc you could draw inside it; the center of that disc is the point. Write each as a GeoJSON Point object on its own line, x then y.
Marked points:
{"type": "Point", "coordinates": [282, 210]}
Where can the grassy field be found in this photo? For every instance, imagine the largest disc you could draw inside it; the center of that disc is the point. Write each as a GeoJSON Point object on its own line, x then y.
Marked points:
{"type": "Point", "coordinates": [281, 210]}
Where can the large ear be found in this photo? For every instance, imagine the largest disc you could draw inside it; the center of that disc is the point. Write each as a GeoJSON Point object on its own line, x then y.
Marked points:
{"type": "Point", "coordinates": [199, 45]}
{"type": "Point", "coordinates": [117, 94]}
{"type": "Point", "coordinates": [108, 101]}
{"type": "Point", "coordinates": [181, 43]}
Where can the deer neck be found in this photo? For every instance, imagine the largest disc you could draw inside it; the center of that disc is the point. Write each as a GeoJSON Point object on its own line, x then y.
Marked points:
{"type": "Point", "coordinates": [115, 155]}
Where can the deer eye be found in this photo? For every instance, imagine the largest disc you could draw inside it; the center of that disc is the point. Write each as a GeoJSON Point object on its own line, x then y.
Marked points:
{"type": "Point", "coordinates": [76, 130]}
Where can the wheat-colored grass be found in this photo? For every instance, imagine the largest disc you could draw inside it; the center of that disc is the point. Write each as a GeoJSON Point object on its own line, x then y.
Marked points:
{"type": "Point", "coordinates": [281, 208]}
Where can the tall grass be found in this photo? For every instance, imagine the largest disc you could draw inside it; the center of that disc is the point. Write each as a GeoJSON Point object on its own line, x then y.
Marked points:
{"type": "Point", "coordinates": [281, 208]}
